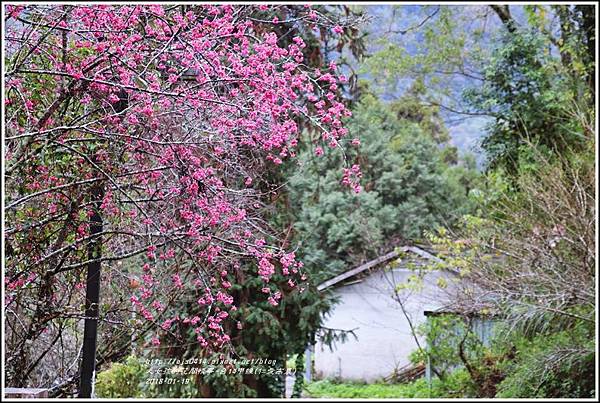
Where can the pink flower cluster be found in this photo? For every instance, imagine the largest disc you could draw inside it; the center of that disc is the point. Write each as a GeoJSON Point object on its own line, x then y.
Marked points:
{"type": "Point", "coordinates": [352, 178]}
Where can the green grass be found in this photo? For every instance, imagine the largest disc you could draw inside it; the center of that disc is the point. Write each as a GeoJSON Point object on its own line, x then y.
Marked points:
{"type": "Point", "coordinates": [327, 388]}
{"type": "Point", "coordinates": [455, 386]}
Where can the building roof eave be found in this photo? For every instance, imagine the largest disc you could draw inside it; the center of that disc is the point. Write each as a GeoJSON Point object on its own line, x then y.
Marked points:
{"type": "Point", "coordinates": [372, 263]}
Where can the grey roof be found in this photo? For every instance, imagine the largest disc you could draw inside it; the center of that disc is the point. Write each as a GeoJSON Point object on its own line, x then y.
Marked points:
{"type": "Point", "coordinates": [450, 311]}
{"type": "Point", "coordinates": [381, 259]}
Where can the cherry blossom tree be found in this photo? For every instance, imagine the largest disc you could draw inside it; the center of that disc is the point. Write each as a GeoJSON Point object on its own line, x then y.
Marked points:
{"type": "Point", "coordinates": [136, 138]}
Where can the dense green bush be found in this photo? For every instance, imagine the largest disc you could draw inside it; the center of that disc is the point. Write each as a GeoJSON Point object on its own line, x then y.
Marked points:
{"type": "Point", "coordinates": [134, 379]}
{"type": "Point", "coordinates": [122, 380]}
{"type": "Point", "coordinates": [552, 365]}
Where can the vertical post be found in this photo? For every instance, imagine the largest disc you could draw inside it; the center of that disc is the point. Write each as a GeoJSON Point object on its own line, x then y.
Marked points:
{"type": "Point", "coordinates": [92, 296]}
{"type": "Point", "coordinates": [308, 364]}
{"type": "Point", "coordinates": [428, 373]}
{"type": "Point", "coordinates": [428, 346]}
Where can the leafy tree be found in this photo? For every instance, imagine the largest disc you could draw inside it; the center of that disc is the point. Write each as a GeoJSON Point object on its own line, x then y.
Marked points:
{"type": "Point", "coordinates": [439, 48]}
{"type": "Point", "coordinates": [405, 190]}
{"type": "Point", "coordinates": [529, 75]}
{"type": "Point", "coordinates": [571, 32]}
{"type": "Point", "coordinates": [531, 100]}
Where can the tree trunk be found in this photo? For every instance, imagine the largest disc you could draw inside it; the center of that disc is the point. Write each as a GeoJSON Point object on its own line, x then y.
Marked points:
{"type": "Point", "coordinates": [504, 13]}
{"type": "Point", "coordinates": [588, 28]}
{"type": "Point", "coordinates": [92, 296]}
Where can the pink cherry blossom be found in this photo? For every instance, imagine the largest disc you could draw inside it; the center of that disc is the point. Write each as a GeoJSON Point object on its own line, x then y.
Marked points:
{"type": "Point", "coordinates": [180, 144]}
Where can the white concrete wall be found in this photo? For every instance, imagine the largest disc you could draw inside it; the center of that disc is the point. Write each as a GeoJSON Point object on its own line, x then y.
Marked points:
{"type": "Point", "coordinates": [384, 336]}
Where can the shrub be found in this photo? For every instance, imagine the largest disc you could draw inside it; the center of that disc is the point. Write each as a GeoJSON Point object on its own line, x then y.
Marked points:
{"type": "Point", "coordinates": [121, 380]}
{"type": "Point", "coordinates": [552, 365]}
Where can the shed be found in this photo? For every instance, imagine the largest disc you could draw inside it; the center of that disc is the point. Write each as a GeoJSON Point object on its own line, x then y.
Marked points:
{"type": "Point", "coordinates": [383, 301]}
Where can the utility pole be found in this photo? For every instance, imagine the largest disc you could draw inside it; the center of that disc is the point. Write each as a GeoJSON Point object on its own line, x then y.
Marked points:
{"type": "Point", "coordinates": [92, 295]}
